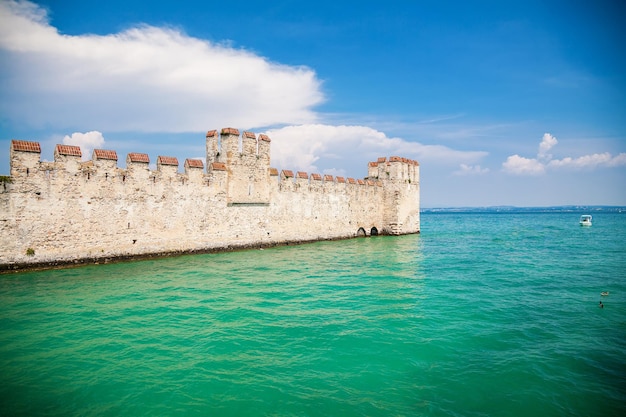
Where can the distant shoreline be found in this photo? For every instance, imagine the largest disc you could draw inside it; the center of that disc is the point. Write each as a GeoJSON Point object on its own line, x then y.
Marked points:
{"type": "Point", "coordinates": [514, 209]}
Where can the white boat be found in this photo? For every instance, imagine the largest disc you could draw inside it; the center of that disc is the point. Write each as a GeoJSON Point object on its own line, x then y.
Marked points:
{"type": "Point", "coordinates": [585, 220]}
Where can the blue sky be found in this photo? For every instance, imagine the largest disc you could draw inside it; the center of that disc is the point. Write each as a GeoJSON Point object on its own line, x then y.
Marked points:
{"type": "Point", "coordinates": [502, 102]}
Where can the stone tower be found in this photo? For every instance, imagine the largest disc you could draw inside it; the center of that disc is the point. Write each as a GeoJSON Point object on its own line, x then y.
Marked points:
{"type": "Point", "coordinates": [247, 163]}
{"type": "Point", "coordinates": [401, 182]}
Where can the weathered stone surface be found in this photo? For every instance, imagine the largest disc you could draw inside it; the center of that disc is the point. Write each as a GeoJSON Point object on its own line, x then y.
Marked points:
{"type": "Point", "coordinates": [70, 211]}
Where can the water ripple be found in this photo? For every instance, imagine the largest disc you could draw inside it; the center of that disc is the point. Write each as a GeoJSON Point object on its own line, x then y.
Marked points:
{"type": "Point", "coordinates": [471, 318]}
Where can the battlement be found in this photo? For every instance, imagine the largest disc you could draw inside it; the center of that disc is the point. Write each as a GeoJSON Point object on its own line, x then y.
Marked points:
{"type": "Point", "coordinates": [233, 199]}
{"type": "Point", "coordinates": [26, 161]}
{"type": "Point", "coordinates": [395, 169]}
{"type": "Point", "coordinates": [255, 172]}
{"type": "Point", "coordinates": [231, 146]}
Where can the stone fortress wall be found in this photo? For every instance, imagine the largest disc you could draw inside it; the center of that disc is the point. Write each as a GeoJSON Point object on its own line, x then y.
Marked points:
{"type": "Point", "coordinates": [72, 211]}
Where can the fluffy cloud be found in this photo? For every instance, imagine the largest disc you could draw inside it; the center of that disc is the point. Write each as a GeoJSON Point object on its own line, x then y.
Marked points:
{"type": "Point", "coordinates": [155, 79]}
{"type": "Point", "coordinates": [465, 170]}
{"type": "Point", "coordinates": [519, 165]}
{"type": "Point", "coordinates": [317, 147]}
{"type": "Point", "coordinates": [547, 142]}
{"type": "Point", "coordinates": [142, 79]}
{"type": "Point", "coordinates": [87, 141]}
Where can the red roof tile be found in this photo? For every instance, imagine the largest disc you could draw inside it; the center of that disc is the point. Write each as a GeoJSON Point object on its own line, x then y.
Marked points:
{"type": "Point", "coordinates": [194, 163]}
{"type": "Point", "coordinates": [395, 159]}
{"type": "Point", "coordinates": [249, 135]}
{"type": "Point", "coordinates": [69, 150]}
{"type": "Point", "coordinates": [341, 179]}
{"type": "Point", "coordinates": [328, 178]}
{"type": "Point", "coordinates": [211, 133]}
{"type": "Point", "coordinates": [25, 146]}
{"type": "Point", "coordinates": [351, 181]}
{"type": "Point", "coordinates": [360, 182]}
{"type": "Point", "coordinates": [230, 131]}
{"type": "Point", "coordinates": [287, 173]}
{"type": "Point", "coordinates": [372, 164]}
{"type": "Point", "coordinates": [316, 177]}
{"type": "Point", "coordinates": [382, 159]}
{"type": "Point", "coordinates": [167, 160]}
{"type": "Point", "coordinates": [105, 154]}
{"type": "Point", "coordinates": [273, 172]}
{"type": "Point", "coordinates": [139, 157]}
{"type": "Point", "coordinates": [218, 166]}
{"type": "Point", "coordinates": [264, 138]}
{"type": "Point", "coordinates": [303, 175]}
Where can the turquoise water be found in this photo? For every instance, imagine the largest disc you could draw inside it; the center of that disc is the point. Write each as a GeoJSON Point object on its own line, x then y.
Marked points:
{"type": "Point", "coordinates": [480, 315]}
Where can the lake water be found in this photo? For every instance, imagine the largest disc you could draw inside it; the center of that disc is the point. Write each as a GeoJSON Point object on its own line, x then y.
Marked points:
{"type": "Point", "coordinates": [483, 314]}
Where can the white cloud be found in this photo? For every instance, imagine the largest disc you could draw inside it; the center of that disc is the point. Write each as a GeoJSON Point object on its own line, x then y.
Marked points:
{"type": "Point", "coordinates": [87, 141]}
{"type": "Point", "coordinates": [547, 142]}
{"type": "Point", "coordinates": [618, 160]}
{"type": "Point", "coordinates": [142, 79]}
{"type": "Point", "coordinates": [520, 165]}
{"type": "Point", "coordinates": [590, 161]}
{"type": "Point", "coordinates": [465, 169]}
{"type": "Point", "coordinates": [305, 147]}
{"type": "Point", "coordinates": [156, 79]}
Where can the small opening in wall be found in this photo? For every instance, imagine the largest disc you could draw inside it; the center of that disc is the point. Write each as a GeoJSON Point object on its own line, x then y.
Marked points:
{"type": "Point", "coordinates": [106, 175]}
{"type": "Point", "coordinates": [361, 232]}
{"type": "Point", "coordinates": [88, 175]}
{"type": "Point", "coordinates": [374, 231]}
{"type": "Point", "coordinates": [123, 178]}
{"type": "Point", "coordinates": [27, 171]}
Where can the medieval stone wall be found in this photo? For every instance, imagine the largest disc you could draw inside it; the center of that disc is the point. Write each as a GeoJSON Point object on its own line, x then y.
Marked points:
{"type": "Point", "coordinates": [71, 211]}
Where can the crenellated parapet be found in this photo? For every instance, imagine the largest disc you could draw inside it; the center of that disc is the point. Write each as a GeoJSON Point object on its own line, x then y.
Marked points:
{"type": "Point", "coordinates": [394, 169]}
{"type": "Point", "coordinates": [237, 162]}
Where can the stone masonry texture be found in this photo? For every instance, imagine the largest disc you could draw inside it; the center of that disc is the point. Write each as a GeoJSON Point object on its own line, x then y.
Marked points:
{"type": "Point", "coordinates": [73, 211]}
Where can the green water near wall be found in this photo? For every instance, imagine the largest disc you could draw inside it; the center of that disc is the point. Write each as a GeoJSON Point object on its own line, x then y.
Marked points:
{"type": "Point", "coordinates": [480, 315]}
